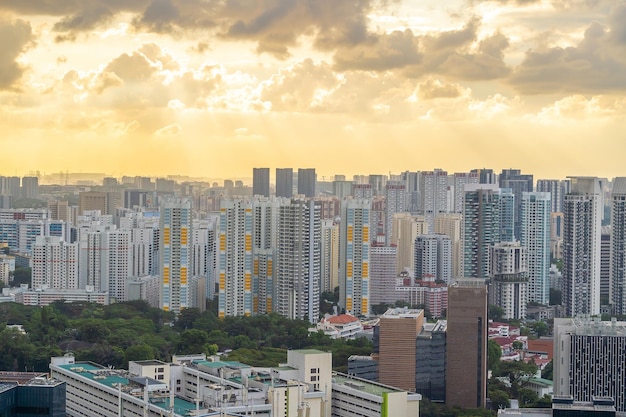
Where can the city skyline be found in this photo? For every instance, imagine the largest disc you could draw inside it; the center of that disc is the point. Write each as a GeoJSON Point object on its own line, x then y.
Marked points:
{"type": "Point", "coordinates": [162, 87]}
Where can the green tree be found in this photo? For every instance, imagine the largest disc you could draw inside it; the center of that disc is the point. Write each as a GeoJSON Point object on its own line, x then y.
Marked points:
{"type": "Point", "coordinates": [540, 328]}
{"type": "Point", "coordinates": [193, 341]}
{"type": "Point", "coordinates": [139, 352]}
{"type": "Point", "coordinates": [494, 353]}
{"type": "Point", "coordinates": [495, 313]}
{"type": "Point", "coordinates": [21, 276]}
{"type": "Point", "coordinates": [546, 373]}
{"type": "Point", "coordinates": [499, 398]}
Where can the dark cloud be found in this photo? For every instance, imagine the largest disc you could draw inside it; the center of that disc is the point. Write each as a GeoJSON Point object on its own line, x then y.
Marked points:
{"type": "Point", "coordinates": [596, 65]}
{"type": "Point", "coordinates": [15, 37]}
{"type": "Point", "coordinates": [275, 25]}
{"type": "Point", "coordinates": [455, 53]}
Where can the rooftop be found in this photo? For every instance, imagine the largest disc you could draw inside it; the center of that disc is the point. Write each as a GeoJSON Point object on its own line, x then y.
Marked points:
{"type": "Point", "coordinates": [114, 378]}
{"type": "Point", "coordinates": [363, 385]}
{"type": "Point", "coordinates": [402, 312]}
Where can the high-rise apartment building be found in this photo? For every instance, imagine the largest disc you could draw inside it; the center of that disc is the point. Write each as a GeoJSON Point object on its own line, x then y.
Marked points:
{"type": "Point", "coordinates": [261, 182]}
{"type": "Point", "coordinates": [55, 264]}
{"type": "Point", "coordinates": [518, 183]}
{"type": "Point", "coordinates": [306, 182]}
{"type": "Point", "coordinates": [509, 279]}
{"type": "Point", "coordinates": [460, 180]}
{"type": "Point", "coordinates": [406, 227]}
{"type": "Point", "coordinates": [264, 246]}
{"type": "Point", "coordinates": [30, 187]}
{"type": "Point", "coordinates": [298, 269]}
{"type": "Point", "coordinates": [433, 195]}
{"type": "Point", "coordinates": [605, 266]}
{"type": "Point", "coordinates": [362, 191]}
{"type": "Point", "coordinates": [481, 228]}
{"type": "Point", "coordinates": [507, 215]}
{"type": "Point", "coordinates": [535, 237]}
{"type": "Point", "coordinates": [106, 202]}
{"type": "Point", "coordinates": [450, 225]}
{"type": "Point", "coordinates": [466, 355]}
{"type": "Point", "coordinates": [354, 257]}
{"type": "Point", "coordinates": [284, 182]}
{"type": "Point", "coordinates": [397, 331]}
{"type": "Point", "coordinates": [330, 255]}
{"type": "Point", "coordinates": [59, 210]}
{"type": "Point", "coordinates": [581, 247]}
{"type": "Point", "coordinates": [395, 200]}
{"type": "Point", "coordinates": [383, 274]}
{"type": "Point", "coordinates": [412, 182]}
{"type": "Point", "coordinates": [235, 258]}
{"type": "Point", "coordinates": [176, 253]}
{"type": "Point", "coordinates": [618, 246]}
{"type": "Point", "coordinates": [433, 258]}
{"type": "Point", "coordinates": [557, 189]}
{"type": "Point", "coordinates": [589, 359]}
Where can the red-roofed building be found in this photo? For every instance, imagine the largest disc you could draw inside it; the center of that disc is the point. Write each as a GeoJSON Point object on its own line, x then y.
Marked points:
{"type": "Point", "coordinates": [343, 326]}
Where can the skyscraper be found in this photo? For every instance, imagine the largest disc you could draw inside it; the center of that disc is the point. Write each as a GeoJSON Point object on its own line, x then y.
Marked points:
{"type": "Point", "coordinates": [397, 332]}
{"type": "Point", "coordinates": [535, 237]}
{"type": "Point", "coordinates": [264, 246]}
{"type": "Point", "coordinates": [466, 355]}
{"type": "Point", "coordinates": [618, 245]}
{"type": "Point", "coordinates": [306, 182]}
{"type": "Point", "coordinates": [433, 195]}
{"type": "Point", "coordinates": [330, 255]}
{"type": "Point", "coordinates": [433, 258]}
{"type": "Point", "coordinates": [284, 182]}
{"type": "Point", "coordinates": [581, 247]}
{"type": "Point", "coordinates": [55, 263]}
{"type": "Point", "coordinates": [460, 180]}
{"type": "Point", "coordinates": [261, 182]}
{"type": "Point", "coordinates": [395, 200]}
{"type": "Point", "coordinates": [235, 258]}
{"type": "Point", "coordinates": [509, 279]}
{"type": "Point", "coordinates": [354, 255]}
{"type": "Point", "coordinates": [518, 183]}
{"type": "Point", "coordinates": [406, 227]}
{"type": "Point", "coordinates": [176, 253]}
{"type": "Point", "coordinates": [30, 187]}
{"type": "Point", "coordinates": [298, 270]}
{"type": "Point", "coordinates": [557, 189]}
{"type": "Point", "coordinates": [481, 228]}
{"type": "Point", "coordinates": [589, 359]}
{"type": "Point", "coordinates": [507, 215]}
{"type": "Point", "coordinates": [450, 225]}
{"type": "Point", "coordinates": [383, 274]}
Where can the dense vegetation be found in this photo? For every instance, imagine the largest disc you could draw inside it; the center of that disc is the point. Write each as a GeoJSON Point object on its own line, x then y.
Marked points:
{"type": "Point", "coordinates": [118, 333]}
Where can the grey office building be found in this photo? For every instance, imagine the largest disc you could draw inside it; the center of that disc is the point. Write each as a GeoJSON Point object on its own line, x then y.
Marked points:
{"type": "Point", "coordinates": [284, 182]}
{"type": "Point", "coordinates": [306, 182]}
{"type": "Point", "coordinates": [261, 181]}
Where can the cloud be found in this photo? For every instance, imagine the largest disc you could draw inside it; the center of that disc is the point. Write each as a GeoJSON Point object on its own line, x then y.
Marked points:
{"type": "Point", "coordinates": [169, 130]}
{"type": "Point", "coordinates": [596, 64]}
{"type": "Point", "coordinates": [274, 25]}
{"type": "Point", "coordinates": [15, 38]}
{"type": "Point", "coordinates": [433, 88]}
{"type": "Point", "coordinates": [457, 54]}
{"type": "Point", "coordinates": [580, 108]}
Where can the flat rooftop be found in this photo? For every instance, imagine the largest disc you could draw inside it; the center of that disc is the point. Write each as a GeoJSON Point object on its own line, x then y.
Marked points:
{"type": "Point", "coordinates": [363, 385]}
{"type": "Point", "coordinates": [112, 377]}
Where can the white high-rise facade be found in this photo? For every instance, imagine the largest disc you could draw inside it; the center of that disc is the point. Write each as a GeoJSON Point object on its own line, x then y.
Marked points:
{"type": "Point", "coordinates": [581, 247]}
{"type": "Point", "coordinates": [298, 270]}
{"type": "Point", "coordinates": [434, 195]}
{"type": "Point", "coordinates": [433, 258]}
{"type": "Point", "coordinates": [203, 243]}
{"type": "Point", "coordinates": [535, 237]}
{"type": "Point", "coordinates": [235, 258]}
{"type": "Point", "coordinates": [105, 260]}
{"type": "Point", "coordinates": [354, 254]}
{"type": "Point", "coordinates": [176, 253]}
{"type": "Point", "coordinates": [618, 246]}
{"type": "Point", "coordinates": [509, 276]}
{"type": "Point", "coordinates": [55, 264]}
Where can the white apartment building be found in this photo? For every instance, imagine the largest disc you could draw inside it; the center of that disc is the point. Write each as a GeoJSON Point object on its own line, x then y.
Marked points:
{"type": "Point", "coordinates": [54, 264]}
{"type": "Point", "coordinates": [535, 237]}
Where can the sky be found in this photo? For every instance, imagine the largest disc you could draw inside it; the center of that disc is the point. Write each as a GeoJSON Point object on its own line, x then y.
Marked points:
{"type": "Point", "coordinates": [213, 88]}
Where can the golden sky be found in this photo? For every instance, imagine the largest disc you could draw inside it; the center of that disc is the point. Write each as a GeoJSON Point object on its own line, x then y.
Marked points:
{"type": "Point", "coordinates": [213, 88]}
